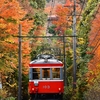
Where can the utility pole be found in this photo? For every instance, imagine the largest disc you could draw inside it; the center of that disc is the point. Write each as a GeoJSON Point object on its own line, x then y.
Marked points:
{"type": "Point", "coordinates": [0, 81]}
{"type": "Point", "coordinates": [73, 4]}
{"type": "Point", "coordinates": [74, 45]}
{"type": "Point", "coordinates": [64, 51]}
{"type": "Point", "coordinates": [20, 64]}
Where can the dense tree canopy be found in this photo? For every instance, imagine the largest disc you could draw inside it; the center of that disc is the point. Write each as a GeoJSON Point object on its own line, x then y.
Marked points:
{"type": "Point", "coordinates": [31, 15]}
{"type": "Point", "coordinates": [11, 15]}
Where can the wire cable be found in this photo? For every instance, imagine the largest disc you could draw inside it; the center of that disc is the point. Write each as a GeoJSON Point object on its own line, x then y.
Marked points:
{"type": "Point", "coordinates": [94, 37]}
{"type": "Point", "coordinates": [81, 9]}
{"type": "Point", "coordinates": [96, 46]}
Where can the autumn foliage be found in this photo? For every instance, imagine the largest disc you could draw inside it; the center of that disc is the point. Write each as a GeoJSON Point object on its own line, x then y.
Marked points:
{"type": "Point", "coordinates": [62, 22]}
{"type": "Point", "coordinates": [94, 43]}
{"type": "Point", "coordinates": [11, 15]}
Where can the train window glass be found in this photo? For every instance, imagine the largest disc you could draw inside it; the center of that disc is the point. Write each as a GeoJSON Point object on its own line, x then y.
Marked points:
{"type": "Point", "coordinates": [56, 73]}
{"type": "Point", "coordinates": [45, 73]}
{"type": "Point", "coordinates": [61, 73]}
{"type": "Point", "coordinates": [36, 73]}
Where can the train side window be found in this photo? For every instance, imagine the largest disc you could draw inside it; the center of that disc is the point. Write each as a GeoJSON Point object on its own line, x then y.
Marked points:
{"type": "Point", "coordinates": [36, 73]}
{"type": "Point", "coordinates": [46, 73]}
{"type": "Point", "coordinates": [56, 73]}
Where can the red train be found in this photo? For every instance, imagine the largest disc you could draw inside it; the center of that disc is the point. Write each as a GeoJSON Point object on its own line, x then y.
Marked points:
{"type": "Point", "coordinates": [46, 78]}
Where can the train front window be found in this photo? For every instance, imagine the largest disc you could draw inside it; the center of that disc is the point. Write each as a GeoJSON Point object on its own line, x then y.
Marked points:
{"type": "Point", "coordinates": [46, 73]}
{"type": "Point", "coordinates": [36, 73]}
{"type": "Point", "coordinates": [56, 73]}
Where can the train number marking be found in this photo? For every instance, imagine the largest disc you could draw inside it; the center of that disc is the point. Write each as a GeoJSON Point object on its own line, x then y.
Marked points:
{"type": "Point", "coordinates": [46, 87]}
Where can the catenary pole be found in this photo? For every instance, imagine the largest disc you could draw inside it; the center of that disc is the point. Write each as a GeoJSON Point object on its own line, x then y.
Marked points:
{"type": "Point", "coordinates": [20, 64]}
{"type": "Point", "coordinates": [74, 45]}
{"type": "Point", "coordinates": [64, 53]}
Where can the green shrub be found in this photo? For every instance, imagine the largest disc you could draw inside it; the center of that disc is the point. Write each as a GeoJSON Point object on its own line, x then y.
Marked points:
{"type": "Point", "coordinates": [10, 98]}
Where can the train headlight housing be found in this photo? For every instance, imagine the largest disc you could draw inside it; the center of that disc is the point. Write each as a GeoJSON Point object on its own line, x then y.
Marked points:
{"type": "Point", "coordinates": [36, 83]}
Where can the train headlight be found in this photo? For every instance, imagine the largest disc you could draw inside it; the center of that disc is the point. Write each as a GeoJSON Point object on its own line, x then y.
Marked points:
{"type": "Point", "coordinates": [32, 89]}
{"type": "Point", "coordinates": [59, 89]}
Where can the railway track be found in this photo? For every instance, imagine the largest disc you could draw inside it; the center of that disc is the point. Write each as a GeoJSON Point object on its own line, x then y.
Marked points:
{"type": "Point", "coordinates": [47, 99]}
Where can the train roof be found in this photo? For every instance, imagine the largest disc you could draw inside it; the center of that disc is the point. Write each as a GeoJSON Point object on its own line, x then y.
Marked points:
{"type": "Point", "coordinates": [46, 60]}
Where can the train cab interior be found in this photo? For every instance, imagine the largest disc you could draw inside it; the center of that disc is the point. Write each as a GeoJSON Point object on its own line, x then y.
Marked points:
{"type": "Point", "coordinates": [46, 74]}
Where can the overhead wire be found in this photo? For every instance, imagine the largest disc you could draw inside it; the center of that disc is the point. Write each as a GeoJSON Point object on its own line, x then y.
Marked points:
{"type": "Point", "coordinates": [81, 10]}
{"type": "Point", "coordinates": [97, 43]}
{"type": "Point", "coordinates": [96, 46]}
{"type": "Point", "coordinates": [97, 30]}
{"type": "Point", "coordinates": [94, 37]}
